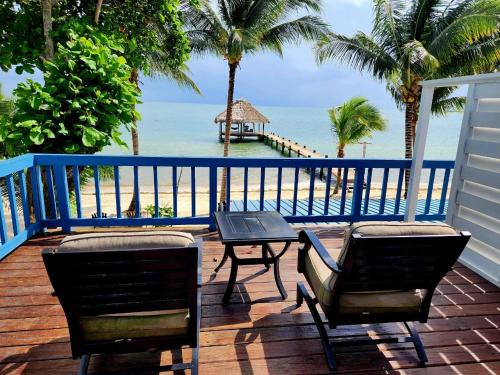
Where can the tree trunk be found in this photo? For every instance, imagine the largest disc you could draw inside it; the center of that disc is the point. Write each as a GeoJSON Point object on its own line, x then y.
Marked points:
{"type": "Point", "coordinates": [227, 135]}
{"type": "Point", "coordinates": [97, 12]}
{"type": "Point", "coordinates": [340, 155]}
{"type": "Point", "coordinates": [134, 78]}
{"type": "Point", "coordinates": [47, 27]}
{"type": "Point", "coordinates": [410, 128]}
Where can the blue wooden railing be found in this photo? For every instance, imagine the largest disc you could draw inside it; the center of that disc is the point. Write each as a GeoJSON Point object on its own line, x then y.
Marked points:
{"type": "Point", "coordinates": [57, 191]}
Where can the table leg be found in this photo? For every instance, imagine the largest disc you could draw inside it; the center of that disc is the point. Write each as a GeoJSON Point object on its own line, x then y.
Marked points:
{"type": "Point", "coordinates": [265, 257]}
{"type": "Point", "coordinates": [277, 276]}
{"type": "Point", "coordinates": [223, 260]}
{"type": "Point", "coordinates": [232, 276]}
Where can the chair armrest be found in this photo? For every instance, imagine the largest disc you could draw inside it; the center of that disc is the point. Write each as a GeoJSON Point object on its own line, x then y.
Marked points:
{"type": "Point", "coordinates": [309, 239]}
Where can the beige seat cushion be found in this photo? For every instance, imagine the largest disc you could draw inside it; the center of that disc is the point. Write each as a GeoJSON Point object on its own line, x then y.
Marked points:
{"type": "Point", "coordinates": [125, 241]}
{"type": "Point", "coordinates": [323, 280]}
{"type": "Point", "coordinates": [135, 325]}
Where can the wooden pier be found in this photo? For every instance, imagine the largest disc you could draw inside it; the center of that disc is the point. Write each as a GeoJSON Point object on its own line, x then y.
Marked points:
{"type": "Point", "coordinates": [289, 147]}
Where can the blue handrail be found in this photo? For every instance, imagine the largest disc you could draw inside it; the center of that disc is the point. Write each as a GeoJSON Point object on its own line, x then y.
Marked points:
{"type": "Point", "coordinates": [308, 182]}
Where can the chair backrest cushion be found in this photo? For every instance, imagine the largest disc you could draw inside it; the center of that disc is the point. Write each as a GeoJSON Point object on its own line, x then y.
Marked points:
{"type": "Point", "coordinates": [125, 241]}
{"type": "Point", "coordinates": [394, 255]}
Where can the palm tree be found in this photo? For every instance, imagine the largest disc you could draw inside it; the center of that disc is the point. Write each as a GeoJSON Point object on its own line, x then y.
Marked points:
{"type": "Point", "coordinates": [351, 122]}
{"type": "Point", "coordinates": [422, 39]}
{"type": "Point", "coordinates": [248, 26]}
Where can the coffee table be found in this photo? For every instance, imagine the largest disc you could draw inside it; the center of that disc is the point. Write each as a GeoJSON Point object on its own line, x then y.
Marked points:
{"type": "Point", "coordinates": [253, 228]}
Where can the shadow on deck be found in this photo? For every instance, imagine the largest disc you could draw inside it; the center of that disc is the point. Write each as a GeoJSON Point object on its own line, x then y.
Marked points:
{"type": "Point", "coordinates": [258, 333]}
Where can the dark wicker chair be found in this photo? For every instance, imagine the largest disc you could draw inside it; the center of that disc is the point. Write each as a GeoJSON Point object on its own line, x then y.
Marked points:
{"type": "Point", "coordinates": [129, 292]}
{"type": "Point", "coordinates": [384, 272]}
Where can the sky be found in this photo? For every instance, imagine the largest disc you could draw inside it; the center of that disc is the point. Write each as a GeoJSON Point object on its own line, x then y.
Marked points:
{"type": "Point", "coordinates": [266, 79]}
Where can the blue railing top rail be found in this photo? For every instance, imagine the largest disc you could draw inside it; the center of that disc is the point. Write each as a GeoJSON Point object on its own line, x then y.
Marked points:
{"type": "Point", "coordinates": [235, 162]}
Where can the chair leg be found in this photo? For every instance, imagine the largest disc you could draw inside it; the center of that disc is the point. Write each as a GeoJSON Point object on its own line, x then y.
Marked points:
{"type": "Point", "coordinates": [330, 357]}
{"type": "Point", "coordinates": [194, 361]}
{"type": "Point", "coordinates": [415, 339]}
{"type": "Point", "coordinates": [84, 365]}
{"type": "Point", "coordinates": [300, 298]}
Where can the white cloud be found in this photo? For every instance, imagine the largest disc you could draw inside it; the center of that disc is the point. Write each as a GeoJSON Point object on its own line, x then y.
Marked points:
{"type": "Point", "coordinates": [357, 3]}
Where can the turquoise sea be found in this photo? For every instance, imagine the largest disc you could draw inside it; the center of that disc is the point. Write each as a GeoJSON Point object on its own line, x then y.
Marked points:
{"type": "Point", "coordinates": [181, 129]}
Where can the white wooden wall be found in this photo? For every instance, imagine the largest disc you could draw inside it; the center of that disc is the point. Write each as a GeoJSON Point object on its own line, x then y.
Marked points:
{"type": "Point", "coordinates": [474, 203]}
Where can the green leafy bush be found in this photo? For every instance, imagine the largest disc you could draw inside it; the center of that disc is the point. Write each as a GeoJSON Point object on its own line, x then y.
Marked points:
{"type": "Point", "coordinates": [85, 98]}
{"type": "Point", "coordinates": [163, 211]}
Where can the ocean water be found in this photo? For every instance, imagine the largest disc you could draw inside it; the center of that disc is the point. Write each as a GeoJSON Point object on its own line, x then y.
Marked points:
{"type": "Point", "coordinates": [181, 129]}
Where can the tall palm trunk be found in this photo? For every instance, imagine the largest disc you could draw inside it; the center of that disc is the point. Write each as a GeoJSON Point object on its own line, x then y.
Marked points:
{"type": "Point", "coordinates": [227, 134]}
{"type": "Point", "coordinates": [97, 12]}
{"type": "Point", "coordinates": [410, 128]}
{"type": "Point", "coordinates": [340, 155]}
{"type": "Point", "coordinates": [47, 27]}
{"type": "Point", "coordinates": [134, 78]}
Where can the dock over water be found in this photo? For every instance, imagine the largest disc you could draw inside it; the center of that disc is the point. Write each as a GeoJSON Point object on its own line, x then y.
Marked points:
{"type": "Point", "coordinates": [289, 147]}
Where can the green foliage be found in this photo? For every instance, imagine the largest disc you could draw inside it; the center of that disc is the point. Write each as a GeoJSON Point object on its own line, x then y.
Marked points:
{"type": "Point", "coordinates": [420, 39]}
{"type": "Point", "coordinates": [144, 26]}
{"type": "Point", "coordinates": [163, 211]}
{"type": "Point", "coordinates": [355, 120]}
{"type": "Point", "coordinates": [85, 98]}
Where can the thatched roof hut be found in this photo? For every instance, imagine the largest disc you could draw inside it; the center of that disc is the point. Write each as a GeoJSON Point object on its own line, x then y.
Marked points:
{"type": "Point", "coordinates": [243, 113]}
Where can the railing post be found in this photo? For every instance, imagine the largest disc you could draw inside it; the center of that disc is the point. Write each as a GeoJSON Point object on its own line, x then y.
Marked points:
{"type": "Point", "coordinates": [357, 195]}
{"type": "Point", "coordinates": [212, 196]}
{"type": "Point", "coordinates": [418, 152]}
{"type": "Point", "coordinates": [38, 201]}
{"type": "Point", "coordinates": [63, 196]}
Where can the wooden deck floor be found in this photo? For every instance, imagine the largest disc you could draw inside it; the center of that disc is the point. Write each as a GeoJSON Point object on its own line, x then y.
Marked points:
{"type": "Point", "coordinates": [258, 333]}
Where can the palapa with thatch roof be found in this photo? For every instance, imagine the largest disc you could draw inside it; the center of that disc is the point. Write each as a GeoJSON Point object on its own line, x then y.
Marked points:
{"type": "Point", "coordinates": [246, 121]}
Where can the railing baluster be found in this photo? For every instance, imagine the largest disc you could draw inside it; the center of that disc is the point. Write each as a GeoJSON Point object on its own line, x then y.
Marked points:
{"type": "Point", "coordinates": [383, 193]}
{"type": "Point", "coordinates": [228, 189]}
{"type": "Point", "coordinates": [312, 172]}
{"type": "Point", "coordinates": [37, 187]}
{"type": "Point", "coordinates": [262, 187]}
{"type": "Point", "coordinates": [367, 191]}
{"type": "Point", "coordinates": [295, 191]}
{"type": "Point", "coordinates": [23, 191]}
{"type": "Point", "coordinates": [76, 182]}
{"type": "Point", "coordinates": [357, 194]}
{"type": "Point", "coordinates": [3, 223]}
{"type": "Point", "coordinates": [97, 186]}
{"type": "Point", "coordinates": [174, 190]}
{"type": "Point", "coordinates": [278, 192]}
{"type": "Point", "coordinates": [430, 186]}
{"type": "Point", "coordinates": [11, 193]}
{"type": "Point", "coordinates": [50, 188]}
{"type": "Point", "coordinates": [63, 196]}
{"type": "Point", "coordinates": [444, 190]}
{"type": "Point", "coordinates": [398, 191]}
{"type": "Point", "coordinates": [116, 176]}
{"type": "Point", "coordinates": [245, 189]}
{"type": "Point", "coordinates": [327, 191]}
{"type": "Point", "coordinates": [193, 191]}
{"type": "Point", "coordinates": [137, 193]}
{"type": "Point", "coordinates": [156, 195]}
{"type": "Point", "coordinates": [212, 180]}
{"type": "Point", "coordinates": [344, 190]}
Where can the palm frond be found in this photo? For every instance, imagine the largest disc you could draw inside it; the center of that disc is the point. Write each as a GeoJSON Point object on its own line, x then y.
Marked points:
{"type": "Point", "coordinates": [443, 106]}
{"type": "Point", "coordinates": [309, 28]}
{"type": "Point", "coordinates": [478, 21]}
{"type": "Point", "coordinates": [360, 51]}
{"type": "Point", "coordinates": [388, 24]}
